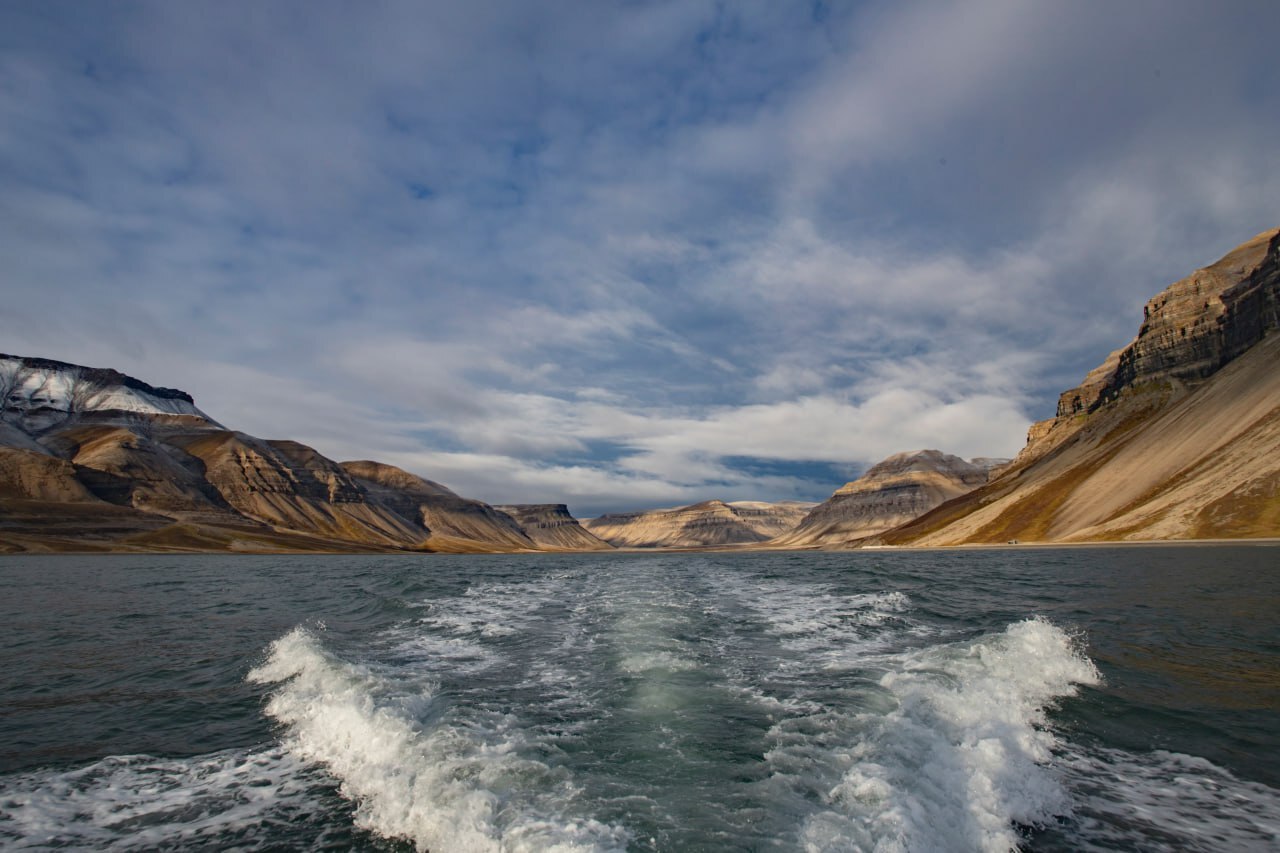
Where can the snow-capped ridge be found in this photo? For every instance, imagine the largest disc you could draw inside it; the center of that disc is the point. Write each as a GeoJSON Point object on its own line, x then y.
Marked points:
{"type": "Point", "coordinates": [38, 393]}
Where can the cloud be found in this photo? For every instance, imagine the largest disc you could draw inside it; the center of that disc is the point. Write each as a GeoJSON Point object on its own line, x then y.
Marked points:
{"type": "Point", "coordinates": [622, 253]}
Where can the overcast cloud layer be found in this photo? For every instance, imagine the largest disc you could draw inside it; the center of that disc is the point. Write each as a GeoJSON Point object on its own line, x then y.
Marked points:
{"type": "Point", "coordinates": [622, 254]}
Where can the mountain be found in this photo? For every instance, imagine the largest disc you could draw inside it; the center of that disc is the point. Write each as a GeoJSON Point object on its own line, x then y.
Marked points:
{"type": "Point", "coordinates": [553, 528]}
{"type": "Point", "coordinates": [706, 524]}
{"type": "Point", "coordinates": [892, 492]}
{"type": "Point", "coordinates": [1174, 436]}
{"type": "Point", "coordinates": [455, 523]}
{"type": "Point", "coordinates": [92, 459]}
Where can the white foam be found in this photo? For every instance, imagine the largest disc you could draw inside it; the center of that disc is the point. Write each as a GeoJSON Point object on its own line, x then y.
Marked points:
{"type": "Point", "coordinates": [961, 758]}
{"type": "Point", "coordinates": [461, 785]}
{"type": "Point", "coordinates": [830, 630]}
{"type": "Point", "coordinates": [655, 661]}
{"type": "Point", "coordinates": [1166, 801]}
{"type": "Point", "coordinates": [138, 802]}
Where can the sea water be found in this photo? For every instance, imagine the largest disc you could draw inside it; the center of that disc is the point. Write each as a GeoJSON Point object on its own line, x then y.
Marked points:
{"type": "Point", "coordinates": [1038, 699]}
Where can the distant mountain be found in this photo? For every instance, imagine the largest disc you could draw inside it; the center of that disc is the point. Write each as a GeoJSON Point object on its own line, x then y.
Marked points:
{"type": "Point", "coordinates": [892, 492]}
{"type": "Point", "coordinates": [553, 528]}
{"type": "Point", "coordinates": [92, 459]}
{"type": "Point", "coordinates": [707, 524]}
{"type": "Point", "coordinates": [1174, 436]}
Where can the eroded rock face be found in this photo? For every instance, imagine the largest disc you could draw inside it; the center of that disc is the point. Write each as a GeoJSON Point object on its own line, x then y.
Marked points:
{"type": "Point", "coordinates": [552, 527]}
{"type": "Point", "coordinates": [892, 492]}
{"type": "Point", "coordinates": [1190, 330]}
{"type": "Point", "coordinates": [126, 468]}
{"type": "Point", "coordinates": [707, 524]}
{"type": "Point", "coordinates": [394, 479]}
{"type": "Point", "coordinates": [454, 523]}
{"type": "Point", "coordinates": [1176, 435]}
{"type": "Point", "coordinates": [144, 469]}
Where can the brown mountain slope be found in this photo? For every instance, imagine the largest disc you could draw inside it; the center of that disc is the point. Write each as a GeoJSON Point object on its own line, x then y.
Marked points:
{"type": "Point", "coordinates": [892, 492]}
{"type": "Point", "coordinates": [1175, 436]}
{"type": "Point", "coordinates": [125, 468]}
{"type": "Point", "coordinates": [553, 528]}
{"type": "Point", "coordinates": [91, 459]}
{"type": "Point", "coordinates": [455, 524]}
{"type": "Point", "coordinates": [707, 524]}
{"type": "Point", "coordinates": [289, 485]}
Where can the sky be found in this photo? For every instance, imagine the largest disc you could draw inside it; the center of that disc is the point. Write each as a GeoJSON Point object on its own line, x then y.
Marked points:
{"type": "Point", "coordinates": [622, 254]}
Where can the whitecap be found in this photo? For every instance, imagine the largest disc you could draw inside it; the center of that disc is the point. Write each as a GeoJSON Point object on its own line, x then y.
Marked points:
{"type": "Point", "coordinates": [960, 756]}
{"type": "Point", "coordinates": [1166, 801]}
{"type": "Point", "coordinates": [461, 784]}
{"type": "Point", "coordinates": [141, 802]}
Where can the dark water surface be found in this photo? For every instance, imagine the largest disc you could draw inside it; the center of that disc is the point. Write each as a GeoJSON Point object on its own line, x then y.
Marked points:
{"type": "Point", "coordinates": [1053, 700]}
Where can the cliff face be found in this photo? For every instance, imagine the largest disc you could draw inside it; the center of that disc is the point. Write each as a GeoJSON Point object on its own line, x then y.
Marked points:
{"type": "Point", "coordinates": [1189, 331]}
{"type": "Point", "coordinates": [551, 527]}
{"type": "Point", "coordinates": [892, 492]}
{"type": "Point", "coordinates": [706, 524]}
{"type": "Point", "coordinates": [1177, 435]}
{"type": "Point", "coordinates": [455, 523]}
{"type": "Point", "coordinates": [93, 459]}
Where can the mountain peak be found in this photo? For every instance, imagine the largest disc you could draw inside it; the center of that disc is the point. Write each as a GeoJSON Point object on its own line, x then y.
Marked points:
{"type": "Point", "coordinates": [37, 394]}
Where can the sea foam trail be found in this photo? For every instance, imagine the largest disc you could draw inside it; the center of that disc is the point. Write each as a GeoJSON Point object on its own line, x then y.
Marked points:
{"type": "Point", "coordinates": [458, 786]}
{"type": "Point", "coordinates": [140, 802]}
{"type": "Point", "coordinates": [963, 757]}
{"type": "Point", "coordinates": [1168, 801]}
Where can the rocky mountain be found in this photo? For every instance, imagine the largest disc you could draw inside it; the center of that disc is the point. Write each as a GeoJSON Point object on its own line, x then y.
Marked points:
{"type": "Point", "coordinates": [455, 523]}
{"type": "Point", "coordinates": [1176, 435]}
{"type": "Point", "coordinates": [93, 459]}
{"type": "Point", "coordinates": [707, 524]}
{"type": "Point", "coordinates": [38, 394]}
{"type": "Point", "coordinates": [553, 528]}
{"type": "Point", "coordinates": [892, 492]}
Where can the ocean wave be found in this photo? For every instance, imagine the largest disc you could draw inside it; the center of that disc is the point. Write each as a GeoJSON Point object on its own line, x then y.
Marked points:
{"type": "Point", "coordinates": [1166, 801]}
{"type": "Point", "coordinates": [235, 798]}
{"type": "Point", "coordinates": [458, 784]}
{"type": "Point", "coordinates": [960, 755]}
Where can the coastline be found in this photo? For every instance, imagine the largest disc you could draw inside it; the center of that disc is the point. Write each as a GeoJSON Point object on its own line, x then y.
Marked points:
{"type": "Point", "coordinates": [70, 549]}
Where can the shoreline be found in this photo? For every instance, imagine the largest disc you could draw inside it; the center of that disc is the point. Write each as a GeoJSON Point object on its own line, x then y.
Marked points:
{"type": "Point", "coordinates": [107, 551]}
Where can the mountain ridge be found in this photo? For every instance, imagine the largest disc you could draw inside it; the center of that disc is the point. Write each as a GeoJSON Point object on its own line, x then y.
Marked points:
{"type": "Point", "coordinates": [93, 459]}
{"type": "Point", "coordinates": [894, 491]}
{"type": "Point", "coordinates": [705, 524]}
{"type": "Point", "coordinates": [1174, 436]}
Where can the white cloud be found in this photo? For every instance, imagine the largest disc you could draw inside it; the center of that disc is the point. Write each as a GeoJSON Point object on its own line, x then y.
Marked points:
{"type": "Point", "coordinates": [635, 241]}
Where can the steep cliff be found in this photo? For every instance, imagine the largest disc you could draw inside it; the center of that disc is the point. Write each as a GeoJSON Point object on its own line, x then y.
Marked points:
{"type": "Point", "coordinates": [706, 524]}
{"type": "Point", "coordinates": [892, 492]}
{"type": "Point", "coordinates": [1176, 435]}
{"type": "Point", "coordinates": [553, 528]}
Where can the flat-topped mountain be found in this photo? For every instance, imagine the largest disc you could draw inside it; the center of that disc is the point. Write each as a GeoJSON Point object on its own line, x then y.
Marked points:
{"type": "Point", "coordinates": [900, 488]}
{"type": "Point", "coordinates": [38, 394]}
{"type": "Point", "coordinates": [1174, 436]}
{"type": "Point", "coordinates": [94, 459]}
{"type": "Point", "coordinates": [553, 528]}
{"type": "Point", "coordinates": [707, 524]}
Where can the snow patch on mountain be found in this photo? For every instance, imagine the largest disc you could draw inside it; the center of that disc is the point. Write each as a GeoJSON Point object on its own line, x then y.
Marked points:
{"type": "Point", "coordinates": [39, 393]}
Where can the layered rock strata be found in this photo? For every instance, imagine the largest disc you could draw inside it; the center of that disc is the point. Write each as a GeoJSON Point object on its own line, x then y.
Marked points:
{"type": "Point", "coordinates": [708, 524]}
{"type": "Point", "coordinates": [1176, 435]}
{"type": "Point", "coordinates": [892, 492]}
{"type": "Point", "coordinates": [551, 527]}
{"type": "Point", "coordinates": [93, 459]}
